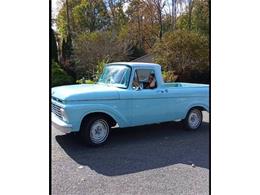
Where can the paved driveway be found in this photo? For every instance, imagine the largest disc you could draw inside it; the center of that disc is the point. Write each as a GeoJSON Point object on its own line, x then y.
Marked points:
{"type": "Point", "coordinates": [154, 159]}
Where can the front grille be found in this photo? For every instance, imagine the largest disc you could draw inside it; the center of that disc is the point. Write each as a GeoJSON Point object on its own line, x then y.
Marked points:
{"type": "Point", "coordinates": [56, 110]}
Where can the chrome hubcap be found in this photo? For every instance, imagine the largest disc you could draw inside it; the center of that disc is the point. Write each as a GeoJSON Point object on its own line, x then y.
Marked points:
{"type": "Point", "coordinates": [194, 119]}
{"type": "Point", "coordinates": [99, 131]}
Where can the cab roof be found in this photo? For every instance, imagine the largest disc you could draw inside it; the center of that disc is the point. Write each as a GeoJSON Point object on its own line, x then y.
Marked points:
{"type": "Point", "coordinates": [135, 64]}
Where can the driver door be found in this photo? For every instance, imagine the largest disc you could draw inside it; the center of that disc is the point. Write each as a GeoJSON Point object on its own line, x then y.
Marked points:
{"type": "Point", "coordinates": [147, 104]}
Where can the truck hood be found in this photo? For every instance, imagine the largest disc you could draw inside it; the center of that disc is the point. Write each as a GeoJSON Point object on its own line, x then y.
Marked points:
{"type": "Point", "coordinates": [85, 92]}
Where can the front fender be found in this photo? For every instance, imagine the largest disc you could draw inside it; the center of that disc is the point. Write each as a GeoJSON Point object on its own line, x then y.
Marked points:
{"type": "Point", "coordinates": [77, 113]}
{"type": "Point", "coordinates": [109, 110]}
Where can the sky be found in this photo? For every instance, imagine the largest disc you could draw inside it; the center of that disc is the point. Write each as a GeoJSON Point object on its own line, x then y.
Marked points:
{"type": "Point", "coordinates": [54, 8]}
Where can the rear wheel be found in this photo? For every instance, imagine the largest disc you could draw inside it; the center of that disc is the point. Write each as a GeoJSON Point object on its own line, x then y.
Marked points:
{"type": "Point", "coordinates": [193, 119]}
{"type": "Point", "coordinates": [95, 131]}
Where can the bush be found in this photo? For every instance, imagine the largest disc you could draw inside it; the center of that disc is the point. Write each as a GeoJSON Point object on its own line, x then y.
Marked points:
{"type": "Point", "coordinates": [59, 76]}
{"type": "Point", "coordinates": [168, 76]}
{"type": "Point", "coordinates": [195, 76]}
{"type": "Point", "coordinates": [183, 53]}
{"type": "Point", "coordinates": [100, 66]}
{"type": "Point", "coordinates": [84, 81]}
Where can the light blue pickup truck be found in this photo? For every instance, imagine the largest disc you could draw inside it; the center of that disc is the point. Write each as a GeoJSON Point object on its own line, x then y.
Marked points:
{"type": "Point", "coordinates": [127, 94]}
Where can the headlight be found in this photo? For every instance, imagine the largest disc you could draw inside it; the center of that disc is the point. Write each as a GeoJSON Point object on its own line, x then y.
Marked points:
{"type": "Point", "coordinates": [63, 115]}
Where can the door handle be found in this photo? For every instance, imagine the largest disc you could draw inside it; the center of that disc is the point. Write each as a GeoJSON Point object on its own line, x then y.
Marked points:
{"type": "Point", "coordinates": [163, 91]}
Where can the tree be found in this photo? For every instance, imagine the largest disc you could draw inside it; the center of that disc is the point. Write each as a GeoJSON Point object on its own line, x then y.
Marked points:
{"type": "Point", "coordinates": [196, 17]}
{"type": "Point", "coordinates": [117, 15]}
{"type": "Point", "coordinates": [135, 15]}
{"type": "Point", "coordinates": [93, 48]}
{"type": "Point", "coordinates": [189, 7]}
{"type": "Point", "coordinates": [90, 15]}
{"type": "Point", "coordinates": [182, 52]}
{"type": "Point", "coordinates": [174, 13]}
{"type": "Point", "coordinates": [65, 29]}
{"type": "Point", "coordinates": [145, 23]}
{"type": "Point", "coordinates": [54, 50]}
{"type": "Point", "coordinates": [79, 16]}
{"type": "Point", "coordinates": [66, 50]}
{"type": "Point", "coordinates": [159, 4]}
{"type": "Point", "coordinates": [201, 16]}
{"type": "Point", "coordinates": [93, 32]}
{"type": "Point", "coordinates": [64, 21]}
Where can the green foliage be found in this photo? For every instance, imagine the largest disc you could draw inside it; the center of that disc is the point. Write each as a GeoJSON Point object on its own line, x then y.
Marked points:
{"type": "Point", "coordinates": [199, 18]}
{"type": "Point", "coordinates": [84, 81]}
{"type": "Point", "coordinates": [168, 76]}
{"type": "Point", "coordinates": [118, 18]}
{"type": "Point", "coordinates": [182, 22]}
{"type": "Point", "coordinates": [100, 67]}
{"type": "Point", "coordinates": [62, 23]}
{"type": "Point", "coordinates": [182, 52]}
{"type": "Point", "coordinates": [90, 16]}
{"type": "Point", "coordinates": [59, 76]}
{"type": "Point", "coordinates": [84, 16]}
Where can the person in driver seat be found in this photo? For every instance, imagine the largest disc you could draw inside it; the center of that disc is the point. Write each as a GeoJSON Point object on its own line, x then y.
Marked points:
{"type": "Point", "coordinates": [151, 84]}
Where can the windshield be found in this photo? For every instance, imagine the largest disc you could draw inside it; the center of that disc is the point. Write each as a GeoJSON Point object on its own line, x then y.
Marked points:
{"type": "Point", "coordinates": [116, 75]}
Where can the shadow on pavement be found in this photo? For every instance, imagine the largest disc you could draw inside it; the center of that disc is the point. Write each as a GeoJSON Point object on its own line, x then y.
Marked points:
{"type": "Point", "coordinates": [132, 150]}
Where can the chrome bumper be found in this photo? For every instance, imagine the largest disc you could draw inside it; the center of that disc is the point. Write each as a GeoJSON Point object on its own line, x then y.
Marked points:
{"type": "Point", "coordinates": [60, 125]}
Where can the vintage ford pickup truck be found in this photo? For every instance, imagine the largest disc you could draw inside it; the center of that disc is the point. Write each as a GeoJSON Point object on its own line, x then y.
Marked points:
{"type": "Point", "coordinates": [127, 94]}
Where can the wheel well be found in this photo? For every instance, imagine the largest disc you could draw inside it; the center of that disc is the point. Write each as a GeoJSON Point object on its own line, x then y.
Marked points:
{"type": "Point", "coordinates": [110, 119]}
{"type": "Point", "coordinates": [196, 107]}
{"type": "Point", "coordinates": [199, 108]}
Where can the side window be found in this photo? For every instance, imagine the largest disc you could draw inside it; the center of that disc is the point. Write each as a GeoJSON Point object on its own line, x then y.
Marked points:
{"type": "Point", "coordinates": [145, 79]}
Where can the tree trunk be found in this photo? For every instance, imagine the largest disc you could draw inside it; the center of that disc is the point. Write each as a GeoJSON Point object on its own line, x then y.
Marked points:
{"type": "Point", "coordinates": [190, 12]}
{"type": "Point", "coordinates": [68, 18]}
{"type": "Point", "coordinates": [173, 14]}
{"type": "Point", "coordinates": [160, 22]}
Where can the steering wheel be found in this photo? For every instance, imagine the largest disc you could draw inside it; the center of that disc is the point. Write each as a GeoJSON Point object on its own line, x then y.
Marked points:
{"type": "Point", "coordinates": [141, 86]}
{"type": "Point", "coordinates": [137, 85]}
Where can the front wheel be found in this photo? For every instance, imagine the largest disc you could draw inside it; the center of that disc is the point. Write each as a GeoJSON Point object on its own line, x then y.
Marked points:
{"type": "Point", "coordinates": [95, 131]}
{"type": "Point", "coordinates": [193, 119]}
